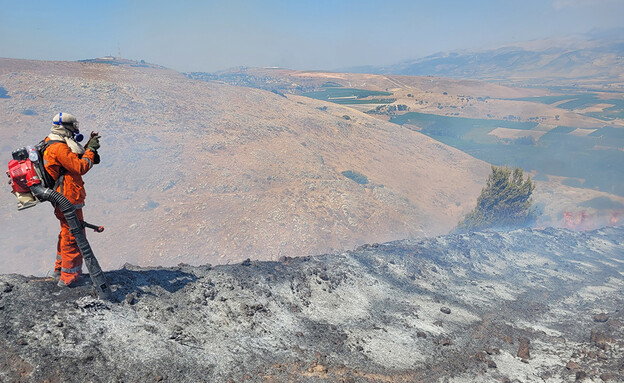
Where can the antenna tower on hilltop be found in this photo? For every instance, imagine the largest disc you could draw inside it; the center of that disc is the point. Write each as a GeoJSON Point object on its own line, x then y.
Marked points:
{"type": "Point", "coordinates": [118, 52]}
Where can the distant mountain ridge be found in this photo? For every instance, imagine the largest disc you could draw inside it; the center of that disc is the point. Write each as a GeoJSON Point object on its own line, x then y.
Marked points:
{"type": "Point", "coordinates": [564, 62]}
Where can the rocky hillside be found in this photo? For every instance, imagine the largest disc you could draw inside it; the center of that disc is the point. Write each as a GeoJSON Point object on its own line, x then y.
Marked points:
{"type": "Point", "coordinates": [522, 306]}
{"type": "Point", "coordinates": [202, 172]}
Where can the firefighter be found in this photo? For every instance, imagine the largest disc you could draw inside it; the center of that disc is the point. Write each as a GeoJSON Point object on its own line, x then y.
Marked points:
{"type": "Point", "coordinates": [67, 161]}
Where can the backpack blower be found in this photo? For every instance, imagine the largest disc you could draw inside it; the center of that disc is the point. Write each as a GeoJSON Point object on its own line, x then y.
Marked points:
{"type": "Point", "coordinates": [31, 183]}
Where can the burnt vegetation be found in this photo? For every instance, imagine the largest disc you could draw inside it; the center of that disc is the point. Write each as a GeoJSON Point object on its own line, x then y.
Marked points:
{"type": "Point", "coordinates": [452, 307]}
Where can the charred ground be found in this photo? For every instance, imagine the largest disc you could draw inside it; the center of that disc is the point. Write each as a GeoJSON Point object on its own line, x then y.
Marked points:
{"type": "Point", "coordinates": [526, 305]}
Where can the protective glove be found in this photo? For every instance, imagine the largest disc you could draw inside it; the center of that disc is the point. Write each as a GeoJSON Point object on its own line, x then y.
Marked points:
{"type": "Point", "coordinates": [96, 158]}
{"type": "Point", "coordinates": [94, 143]}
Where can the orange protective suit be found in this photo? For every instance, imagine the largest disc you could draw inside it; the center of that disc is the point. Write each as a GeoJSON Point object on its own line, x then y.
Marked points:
{"type": "Point", "coordinates": [58, 156]}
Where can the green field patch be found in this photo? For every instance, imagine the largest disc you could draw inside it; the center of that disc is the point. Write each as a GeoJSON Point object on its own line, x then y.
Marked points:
{"type": "Point", "coordinates": [435, 125]}
{"type": "Point", "coordinates": [481, 135]}
{"type": "Point", "coordinates": [608, 136]}
{"type": "Point", "coordinates": [582, 101]}
{"type": "Point", "coordinates": [609, 132]}
{"type": "Point", "coordinates": [358, 102]}
{"type": "Point", "coordinates": [342, 95]}
{"type": "Point", "coordinates": [562, 130]}
{"type": "Point", "coordinates": [544, 99]}
{"type": "Point", "coordinates": [588, 100]}
{"type": "Point", "coordinates": [331, 84]}
{"type": "Point", "coordinates": [610, 113]}
{"type": "Point", "coordinates": [579, 103]}
{"type": "Point", "coordinates": [617, 114]}
{"type": "Point", "coordinates": [556, 153]}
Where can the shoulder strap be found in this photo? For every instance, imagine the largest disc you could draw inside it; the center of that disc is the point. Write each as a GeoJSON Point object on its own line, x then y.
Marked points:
{"type": "Point", "coordinates": [43, 145]}
{"type": "Point", "coordinates": [59, 180]}
{"type": "Point", "coordinates": [50, 142]}
{"type": "Point", "coordinates": [62, 170]}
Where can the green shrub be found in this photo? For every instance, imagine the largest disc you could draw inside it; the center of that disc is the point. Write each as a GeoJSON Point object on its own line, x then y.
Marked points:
{"type": "Point", "coordinates": [355, 176]}
{"type": "Point", "coordinates": [504, 203]}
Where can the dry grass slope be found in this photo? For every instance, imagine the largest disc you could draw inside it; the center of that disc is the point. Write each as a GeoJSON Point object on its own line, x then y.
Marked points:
{"type": "Point", "coordinates": [202, 172]}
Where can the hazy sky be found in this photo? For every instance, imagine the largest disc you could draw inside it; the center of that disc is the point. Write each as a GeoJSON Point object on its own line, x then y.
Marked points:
{"type": "Point", "coordinates": [322, 34]}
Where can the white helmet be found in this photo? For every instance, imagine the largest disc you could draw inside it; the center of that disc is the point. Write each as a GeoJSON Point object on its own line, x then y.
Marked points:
{"type": "Point", "coordinates": [67, 120]}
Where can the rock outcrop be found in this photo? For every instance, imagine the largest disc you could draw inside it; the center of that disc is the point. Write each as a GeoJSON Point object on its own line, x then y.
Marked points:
{"type": "Point", "coordinates": [375, 314]}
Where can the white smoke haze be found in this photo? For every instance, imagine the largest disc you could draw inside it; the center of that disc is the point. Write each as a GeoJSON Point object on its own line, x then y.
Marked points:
{"type": "Point", "coordinates": [562, 4]}
{"type": "Point", "coordinates": [211, 37]}
{"type": "Point", "coordinates": [267, 214]}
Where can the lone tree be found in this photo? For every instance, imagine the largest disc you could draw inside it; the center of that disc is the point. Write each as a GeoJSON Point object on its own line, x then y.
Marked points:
{"type": "Point", "coordinates": [504, 203]}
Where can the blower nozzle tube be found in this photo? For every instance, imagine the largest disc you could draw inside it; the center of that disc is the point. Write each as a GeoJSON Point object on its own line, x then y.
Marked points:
{"type": "Point", "coordinates": [76, 228]}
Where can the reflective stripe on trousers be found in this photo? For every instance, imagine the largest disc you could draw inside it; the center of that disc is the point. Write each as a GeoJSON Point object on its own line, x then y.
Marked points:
{"type": "Point", "coordinates": [71, 258]}
{"type": "Point", "coordinates": [72, 270]}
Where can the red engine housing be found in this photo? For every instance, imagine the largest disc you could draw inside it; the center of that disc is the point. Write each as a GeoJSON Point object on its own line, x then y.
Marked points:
{"type": "Point", "coordinates": [22, 175]}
